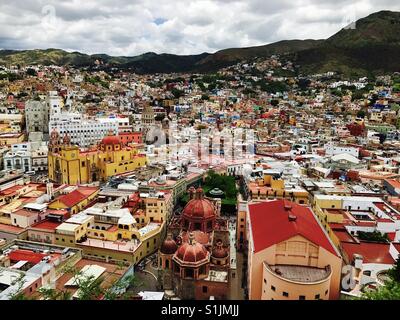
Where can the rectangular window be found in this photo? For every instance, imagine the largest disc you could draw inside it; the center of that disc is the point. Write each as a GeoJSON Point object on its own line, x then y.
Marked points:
{"type": "Point", "coordinates": [205, 289]}
{"type": "Point", "coordinates": [302, 297]}
{"type": "Point", "coordinates": [285, 294]}
{"type": "Point", "coordinates": [317, 296]}
{"type": "Point", "coordinates": [273, 288]}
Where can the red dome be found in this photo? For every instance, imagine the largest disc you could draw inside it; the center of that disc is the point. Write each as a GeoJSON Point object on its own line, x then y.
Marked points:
{"type": "Point", "coordinates": [199, 209]}
{"type": "Point", "coordinates": [110, 140]}
{"type": "Point", "coordinates": [169, 246]}
{"type": "Point", "coordinates": [194, 252]}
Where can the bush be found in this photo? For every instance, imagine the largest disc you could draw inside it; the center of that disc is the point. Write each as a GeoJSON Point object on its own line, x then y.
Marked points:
{"type": "Point", "coordinates": [375, 236]}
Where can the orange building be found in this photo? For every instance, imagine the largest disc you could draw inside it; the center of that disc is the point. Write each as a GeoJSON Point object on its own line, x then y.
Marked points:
{"type": "Point", "coordinates": [126, 138]}
{"type": "Point", "coordinates": [290, 257]}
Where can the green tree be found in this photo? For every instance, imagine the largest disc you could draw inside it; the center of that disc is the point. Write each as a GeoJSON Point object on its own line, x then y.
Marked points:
{"type": "Point", "coordinates": [18, 294]}
{"type": "Point", "coordinates": [119, 290]}
{"type": "Point", "coordinates": [361, 114]}
{"type": "Point", "coordinates": [31, 72]}
{"type": "Point", "coordinates": [177, 93]}
{"type": "Point", "coordinates": [225, 183]}
{"type": "Point", "coordinates": [275, 103]}
{"type": "Point", "coordinates": [54, 294]}
{"type": "Point", "coordinates": [394, 273]}
{"type": "Point", "coordinates": [389, 291]}
{"type": "Point", "coordinates": [375, 236]}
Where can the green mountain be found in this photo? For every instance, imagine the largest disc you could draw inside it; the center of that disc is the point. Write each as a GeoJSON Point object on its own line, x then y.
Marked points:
{"type": "Point", "coordinates": [373, 46]}
{"type": "Point", "coordinates": [228, 57]}
{"type": "Point", "coordinates": [152, 62]}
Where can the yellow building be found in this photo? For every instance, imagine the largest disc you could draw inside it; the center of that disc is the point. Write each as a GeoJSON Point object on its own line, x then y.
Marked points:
{"type": "Point", "coordinates": [68, 164]}
{"type": "Point", "coordinates": [129, 233]}
{"type": "Point", "coordinates": [75, 199]}
{"type": "Point", "coordinates": [328, 209]}
{"type": "Point", "coordinates": [269, 188]}
{"type": "Point", "coordinates": [176, 187]}
{"type": "Point", "coordinates": [8, 139]}
{"type": "Point", "coordinates": [67, 234]}
{"type": "Point", "coordinates": [290, 257]}
{"type": "Point", "coordinates": [241, 225]}
{"type": "Point", "coordinates": [158, 207]}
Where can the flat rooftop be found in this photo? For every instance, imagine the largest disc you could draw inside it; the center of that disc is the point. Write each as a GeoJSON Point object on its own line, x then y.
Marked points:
{"type": "Point", "coordinates": [299, 273]}
{"type": "Point", "coordinates": [123, 246]}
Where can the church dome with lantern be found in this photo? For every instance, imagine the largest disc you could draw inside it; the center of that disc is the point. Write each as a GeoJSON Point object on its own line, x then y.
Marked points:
{"type": "Point", "coordinates": [199, 213]}
{"type": "Point", "coordinates": [192, 253]}
{"type": "Point", "coordinates": [110, 140]}
{"type": "Point", "coordinates": [169, 246]}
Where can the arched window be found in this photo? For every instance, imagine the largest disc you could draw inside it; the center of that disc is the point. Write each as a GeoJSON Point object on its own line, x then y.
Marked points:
{"type": "Point", "coordinates": [177, 268]}
{"type": "Point", "coordinates": [189, 273]}
{"type": "Point", "coordinates": [202, 270]}
{"type": "Point", "coordinates": [96, 234]}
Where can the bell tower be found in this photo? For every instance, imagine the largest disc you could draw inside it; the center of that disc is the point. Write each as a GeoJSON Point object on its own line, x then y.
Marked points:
{"type": "Point", "coordinates": [54, 143]}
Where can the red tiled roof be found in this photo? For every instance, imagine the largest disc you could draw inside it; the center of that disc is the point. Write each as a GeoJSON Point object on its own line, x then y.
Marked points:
{"type": "Point", "coordinates": [25, 213]}
{"type": "Point", "coordinates": [384, 220]}
{"type": "Point", "coordinates": [87, 191]}
{"type": "Point", "coordinates": [394, 183]}
{"type": "Point", "coordinates": [343, 236]}
{"type": "Point", "coordinates": [372, 252]}
{"type": "Point", "coordinates": [11, 190]}
{"type": "Point", "coordinates": [396, 245]}
{"type": "Point", "coordinates": [46, 225]}
{"type": "Point", "coordinates": [26, 255]}
{"type": "Point", "coordinates": [391, 235]}
{"type": "Point", "coordinates": [10, 228]}
{"type": "Point", "coordinates": [72, 199]}
{"type": "Point", "coordinates": [61, 212]}
{"type": "Point", "coordinates": [270, 225]}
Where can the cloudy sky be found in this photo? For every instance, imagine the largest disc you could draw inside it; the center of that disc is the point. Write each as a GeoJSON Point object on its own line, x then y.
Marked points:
{"type": "Point", "coordinates": [131, 27]}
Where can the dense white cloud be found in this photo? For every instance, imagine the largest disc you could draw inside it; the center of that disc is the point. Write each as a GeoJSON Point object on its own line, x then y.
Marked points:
{"type": "Point", "coordinates": [131, 27]}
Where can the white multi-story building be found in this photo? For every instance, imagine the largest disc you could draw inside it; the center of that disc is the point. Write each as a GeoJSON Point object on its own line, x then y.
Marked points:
{"type": "Point", "coordinates": [19, 157]}
{"type": "Point", "coordinates": [85, 132]}
{"type": "Point", "coordinates": [28, 156]}
{"type": "Point", "coordinates": [55, 103]}
{"type": "Point", "coordinates": [39, 157]}
{"type": "Point", "coordinates": [332, 150]}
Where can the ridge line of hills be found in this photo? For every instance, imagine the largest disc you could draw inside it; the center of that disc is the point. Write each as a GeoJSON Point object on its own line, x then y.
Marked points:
{"type": "Point", "coordinates": [372, 47]}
